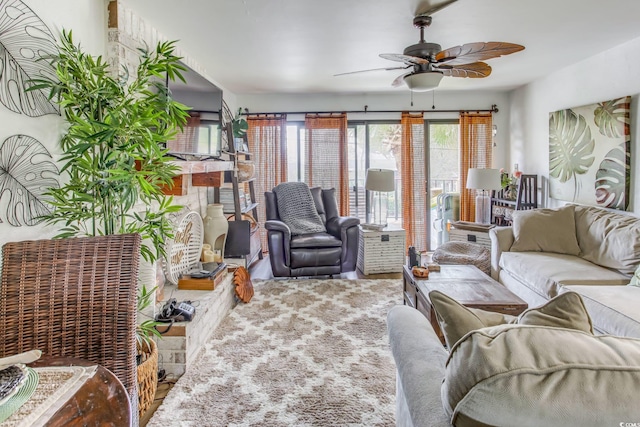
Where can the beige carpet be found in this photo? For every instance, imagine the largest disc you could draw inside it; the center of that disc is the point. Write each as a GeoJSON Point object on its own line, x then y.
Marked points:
{"type": "Point", "coordinates": [301, 353]}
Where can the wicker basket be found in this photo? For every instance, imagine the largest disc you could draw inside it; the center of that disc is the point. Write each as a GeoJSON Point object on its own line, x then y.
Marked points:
{"type": "Point", "coordinates": [246, 170]}
{"type": "Point", "coordinates": [147, 380]}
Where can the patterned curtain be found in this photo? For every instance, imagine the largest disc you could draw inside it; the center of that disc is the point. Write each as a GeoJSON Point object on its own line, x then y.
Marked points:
{"type": "Point", "coordinates": [186, 141]}
{"type": "Point", "coordinates": [413, 181]}
{"type": "Point", "coordinates": [326, 155]}
{"type": "Point", "coordinates": [475, 152]}
{"type": "Point", "coordinates": [266, 137]}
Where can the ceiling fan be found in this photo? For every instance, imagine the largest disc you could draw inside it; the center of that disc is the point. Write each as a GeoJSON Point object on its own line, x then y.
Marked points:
{"type": "Point", "coordinates": [428, 63]}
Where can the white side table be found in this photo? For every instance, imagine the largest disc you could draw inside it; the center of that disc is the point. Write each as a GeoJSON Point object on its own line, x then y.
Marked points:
{"type": "Point", "coordinates": [381, 251]}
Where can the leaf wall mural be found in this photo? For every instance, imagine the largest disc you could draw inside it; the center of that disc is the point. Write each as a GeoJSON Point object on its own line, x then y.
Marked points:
{"type": "Point", "coordinates": [24, 39]}
{"type": "Point", "coordinates": [590, 154]}
{"type": "Point", "coordinates": [612, 179]}
{"type": "Point", "coordinates": [570, 146]}
{"type": "Point", "coordinates": [26, 173]}
{"type": "Point", "coordinates": [611, 117]}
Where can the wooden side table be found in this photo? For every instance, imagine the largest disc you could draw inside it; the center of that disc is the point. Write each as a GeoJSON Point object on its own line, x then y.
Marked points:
{"type": "Point", "coordinates": [381, 251]}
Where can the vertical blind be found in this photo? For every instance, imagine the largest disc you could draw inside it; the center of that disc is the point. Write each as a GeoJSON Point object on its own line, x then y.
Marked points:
{"type": "Point", "coordinates": [326, 163]}
{"type": "Point", "coordinates": [266, 139]}
{"type": "Point", "coordinates": [413, 195]}
{"type": "Point", "coordinates": [476, 132]}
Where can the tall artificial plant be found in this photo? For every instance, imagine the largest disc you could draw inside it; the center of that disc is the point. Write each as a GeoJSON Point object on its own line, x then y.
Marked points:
{"type": "Point", "coordinates": [115, 163]}
{"type": "Point", "coordinates": [114, 148]}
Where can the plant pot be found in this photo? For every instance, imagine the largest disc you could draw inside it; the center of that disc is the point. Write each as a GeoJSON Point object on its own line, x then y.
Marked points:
{"type": "Point", "coordinates": [246, 169]}
{"type": "Point", "coordinates": [147, 378]}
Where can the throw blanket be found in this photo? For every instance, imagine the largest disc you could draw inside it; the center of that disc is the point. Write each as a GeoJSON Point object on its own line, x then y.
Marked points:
{"type": "Point", "coordinates": [297, 209]}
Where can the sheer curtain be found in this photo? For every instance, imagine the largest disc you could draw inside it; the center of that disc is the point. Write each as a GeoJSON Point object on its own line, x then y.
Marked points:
{"type": "Point", "coordinates": [266, 137]}
{"type": "Point", "coordinates": [475, 152]}
{"type": "Point", "coordinates": [413, 180]}
{"type": "Point", "coordinates": [326, 163]}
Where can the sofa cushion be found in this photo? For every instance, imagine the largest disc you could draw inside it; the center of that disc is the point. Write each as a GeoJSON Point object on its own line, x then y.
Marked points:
{"type": "Point", "coordinates": [544, 273]}
{"type": "Point", "coordinates": [542, 376]}
{"type": "Point", "coordinates": [609, 239]}
{"type": "Point", "coordinates": [545, 230]}
{"type": "Point", "coordinates": [614, 310]}
{"type": "Point", "coordinates": [456, 320]}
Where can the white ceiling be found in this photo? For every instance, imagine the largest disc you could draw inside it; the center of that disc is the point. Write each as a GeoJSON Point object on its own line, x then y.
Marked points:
{"type": "Point", "coordinates": [296, 46]}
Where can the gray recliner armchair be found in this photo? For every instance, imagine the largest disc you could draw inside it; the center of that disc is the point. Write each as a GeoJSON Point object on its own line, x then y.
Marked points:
{"type": "Point", "coordinates": [314, 254]}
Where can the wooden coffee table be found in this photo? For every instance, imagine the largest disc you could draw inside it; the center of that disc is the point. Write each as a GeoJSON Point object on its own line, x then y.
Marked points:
{"type": "Point", "coordinates": [464, 283]}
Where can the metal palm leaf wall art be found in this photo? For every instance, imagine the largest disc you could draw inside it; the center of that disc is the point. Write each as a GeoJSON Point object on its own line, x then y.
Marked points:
{"type": "Point", "coordinates": [27, 169]}
{"type": "Point", "coordinates": [590, 154]}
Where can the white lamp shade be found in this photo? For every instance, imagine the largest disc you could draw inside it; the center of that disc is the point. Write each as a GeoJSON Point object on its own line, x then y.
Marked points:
{"type": "Point", "coordinates": [484, 179]}
{"type": "Point", "coordinates": [380, 180]}
{"type": "Point", "coordinates": [422, 82]}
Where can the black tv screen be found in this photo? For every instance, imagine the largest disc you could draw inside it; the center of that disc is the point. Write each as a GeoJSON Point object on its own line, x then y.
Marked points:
{"type": "Point", "coordinates": [201, 138]}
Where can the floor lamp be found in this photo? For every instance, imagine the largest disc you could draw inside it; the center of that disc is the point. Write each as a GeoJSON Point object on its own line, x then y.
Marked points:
{"type": "Point", "coordinates": [485, 180]}
{"type": "Point", "coordinates": [379, 181]}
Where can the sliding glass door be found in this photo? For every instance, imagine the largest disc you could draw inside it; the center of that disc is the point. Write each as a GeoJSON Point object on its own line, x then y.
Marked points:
{"type": "Point", "coordinates": [443, 172]}
{"type": "Point", "coordinates": [373, 145]}
{"type": "Point", "coordinates": [377, 144]}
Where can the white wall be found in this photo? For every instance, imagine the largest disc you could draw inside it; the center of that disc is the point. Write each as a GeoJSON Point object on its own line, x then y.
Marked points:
{"type": "Point", "coordinates": [397, 101]}
{"type": "Point", "coordinates": [88, 20]}
{"type": "Point", "coordinates": [612, 74]}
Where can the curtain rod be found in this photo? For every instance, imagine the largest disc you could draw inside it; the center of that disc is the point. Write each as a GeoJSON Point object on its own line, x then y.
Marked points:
{"type": "Point", "coordinates": [493, 109]}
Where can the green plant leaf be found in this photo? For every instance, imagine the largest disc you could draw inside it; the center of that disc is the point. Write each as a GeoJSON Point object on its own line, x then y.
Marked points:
{"type": "Point", "coordinates": [26, 173]}
{"type": "Point", "coordinates": [613, 180]}
{"type": "Point", "coordinates": [570, 145]}
{"type": "Point", "coordinates": [612, 117]}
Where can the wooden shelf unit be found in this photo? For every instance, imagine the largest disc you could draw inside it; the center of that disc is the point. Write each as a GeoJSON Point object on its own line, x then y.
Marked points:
{"type": "Point", "coordinates": [526, 198]}
{"type": "Point", "coordinates": [242, 240]}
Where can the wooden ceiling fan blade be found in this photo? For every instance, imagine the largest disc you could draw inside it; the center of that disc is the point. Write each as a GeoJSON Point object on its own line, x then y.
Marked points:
{"type": "Point", "coordinates": [407, 59]}
{"type": "Point", "coordinates": [400, 79]}
{"type": "Point", "coordinates": [474, 70]}
{"type": "Point", "coordinates": [479, 51]}
{"type": "Point", "coordinates": [372, 69]}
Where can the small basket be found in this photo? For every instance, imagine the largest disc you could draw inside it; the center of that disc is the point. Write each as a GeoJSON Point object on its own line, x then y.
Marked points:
{"type": "Point", "coordinates": [421, 272]}
{"type": "Point", "coordinates": [246, 170]}
{"type": "Point", "coordinates": [147, 379]}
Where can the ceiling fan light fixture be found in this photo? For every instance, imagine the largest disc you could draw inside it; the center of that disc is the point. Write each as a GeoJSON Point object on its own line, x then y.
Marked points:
{"type": "Point", "coordinates": [424, 81]}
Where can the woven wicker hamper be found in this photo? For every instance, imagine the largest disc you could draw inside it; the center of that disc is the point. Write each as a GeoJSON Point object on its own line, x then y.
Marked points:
{"type": "Point", "coordinates": [147, 380]}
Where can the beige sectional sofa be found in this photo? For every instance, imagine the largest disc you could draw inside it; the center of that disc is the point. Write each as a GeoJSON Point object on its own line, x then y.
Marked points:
{"type": "Point", "coordinates": [589, 250]}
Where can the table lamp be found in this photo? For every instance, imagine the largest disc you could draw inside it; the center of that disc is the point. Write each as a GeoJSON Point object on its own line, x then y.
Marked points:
{"type": "Point", "coordinates": [379, 181]}
{"type": "Point", "coordinates": [483, 179]}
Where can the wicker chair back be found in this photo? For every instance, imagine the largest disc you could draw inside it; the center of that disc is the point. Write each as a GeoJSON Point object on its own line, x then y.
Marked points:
{"type": "Point", "coordinates": [74, 298]}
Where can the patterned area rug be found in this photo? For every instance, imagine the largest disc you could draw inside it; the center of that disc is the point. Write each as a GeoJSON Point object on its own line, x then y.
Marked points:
{"type": "Point", "coordinates": [301, 353]}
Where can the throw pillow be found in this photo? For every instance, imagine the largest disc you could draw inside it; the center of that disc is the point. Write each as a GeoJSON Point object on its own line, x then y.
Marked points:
{"type": "Point", "coordinates": [567, 310]}
{"type": "Point", "coordinates": [541, 376]}
{"type": "Point", "coordinates": [545, 230]}
{"type": "Point", "coordinates": [635, 279]}
{"type": "Point", "coordinates": [456, 320]}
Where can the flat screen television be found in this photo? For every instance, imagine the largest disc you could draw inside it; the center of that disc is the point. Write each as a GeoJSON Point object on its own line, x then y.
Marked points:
{"type": "Point", "coordinates": [201, 138]}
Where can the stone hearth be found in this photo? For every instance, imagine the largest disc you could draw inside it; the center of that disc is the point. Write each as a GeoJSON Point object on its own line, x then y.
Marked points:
{"type": "Point", "coordinates": [179, 347]}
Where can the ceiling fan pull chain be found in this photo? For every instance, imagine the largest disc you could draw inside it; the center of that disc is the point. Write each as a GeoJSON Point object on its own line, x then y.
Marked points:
{"type": "Point", "coordinates": [433, 99]}
{"type": "Point", "coordinates": [411, 92]}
